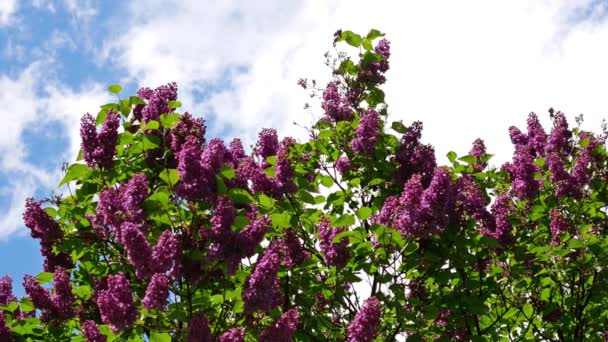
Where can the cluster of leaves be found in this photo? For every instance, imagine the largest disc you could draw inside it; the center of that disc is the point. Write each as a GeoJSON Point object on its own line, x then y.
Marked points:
{"type": "Point", "coordinates": [358, 214]}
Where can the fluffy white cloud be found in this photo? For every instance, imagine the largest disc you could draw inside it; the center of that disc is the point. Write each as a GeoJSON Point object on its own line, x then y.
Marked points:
{"type": "Point", "coordinates": [7, 9]}
{"type": "Point", "coordinates": [466, 70]}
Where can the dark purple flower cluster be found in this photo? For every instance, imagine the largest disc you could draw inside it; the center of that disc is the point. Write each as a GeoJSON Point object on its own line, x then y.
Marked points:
{"type": "Point", "coordinates": [91, 333]}
{"type": "Point", "coordinates": [157, 102]}
{"type": "Point", "coordinates": [421, 212]}
{"type": "Point", "coordinates": [197, 169]}
{"type": "Point", "coordinates": [343, 165]}
{"type": "Point", "coordinates": [565, 184]}
{"type": "Point", "coordinates": [137, 247]}
{"type": "Point", "coordinates": [188, 128]}
{"type": "Point", "coordinates": [156, 293]}
{"type": "Point", "coordinates": [232, 335]}
{"type": "Point", "coordinates": [5, 332]}
{"type": "Point", "coordinates": [284, 171]}
{"type": "Point", "coordinates": [521, 171]}
{"type": "Point", "coordinates": [501, 228]}
{"type": "Point", "coordinates": [283, 329]}
{"type": "Point", "coordinates": [116, 304]}
{"type": "Point", "coordinates": [374, 71]}
{"type": "Point", "coordinates": [478, 151]}
{"type": "Point", "coordinates": [293, 251]}
{"type": "Point", "coordinates": [198, 328]}
{"type": "Point", "coordinates": [6, 290]}
{"type": "Point", "coordinates": [57, 307]}
{"type": "Point", "coordinates": [267, 145]}
{"type": "Point", "coordinates": [335, 105]}
{"type": "Point", "coordinates": [363, 327]}
{"type": "Point", "coordinates": [367, 133]}
{"type": "Point", "coordinates": [413, 157]}
{"type": "Point", "coordinates": [262, 292]}
{"type": "Point", "coordinates": [557, 226]}
{"type": "Point", "coordinates": [559, 139]}
{"type": "Point", "coordinates": [537, 138]}
{"type": "Point", "coordinates": [335, 254]}
{"type": "Point", "coordinates": [98, 149]}
{"type": "Point", "coordinates": [471, 201]}
{"type": "Point", "coordinates": [43, 227]}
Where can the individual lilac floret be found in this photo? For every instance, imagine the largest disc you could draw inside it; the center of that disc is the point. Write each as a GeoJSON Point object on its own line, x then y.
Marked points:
{"type": "Point", "coordinates": [478, 151]}
{"type": "Point", "coordinates": [116, 304]}
{"type": "Point", "coordinates": [363, 327]}
{"type": "Point", "coordinates": [157, 101]}
{"type": "Point", "coordinates": [165, 253]}
{"type": "Point", "coordinates": [138, 249]}
{"type": "Point", "coordinates": [268, 143]}
{"type": "Point", "coordinates": [335, 105]}
{"type": "Point", "coordinates": [232, 335]}
{"type": "Point", "coordinates": [367, 133]}
{"type": "Point", "coordinates": [91, 333]}
{"type": "Point", "coordinates": [157, 293]}
{"type": "Point", "coordinates": [413, 157]}
{"type": "Point", "coordinates": [188, 128]}
{"type": "Point", "coordinates": [537, 138]}
{"type": "Point", "coordinates": [262, 292]}
{"type": "Point", "coordinates": [6, 290]}
{"type": "Point", "coordinates": [557, 226]}
{"type": "Point", "coordinates": [198, 328]}
{"type": "Point", "coordinates": [343, 165]}
{"type": "Point", "coordinates": [559, 139]}
{"type": "Point", "coordinates": [335, 254]}
{"type": "Point", "coordinates": [99, 148]}
{"type": "Point", "coordinates": [283, 329]}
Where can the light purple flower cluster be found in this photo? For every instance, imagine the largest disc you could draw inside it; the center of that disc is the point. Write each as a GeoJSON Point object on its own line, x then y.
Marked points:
{"type": "Point", "coordinates": [232, 335]}
{"type": "Point", "coordinates": [156, 293]}
{"type": "Point", "coordinates": [197, 169]}
{"type": "Point", "coordinates": [283, 329]}
{"type": "Point", "coordinates": [559, 139]}
{"type": "Point", "coordinates": [116, 304]}
{"type": "Point", "coordinates": [262, 292]}
{"type": "Point", "coordinates": [421, 212]}
{"type": "Point", "coordinates": [557, 226]}
{"type": "Point", "coordinates": [98, 149]}
{"type": "Point", "coordinates": [91, 333]}
{"type": "Point", "coordinates": [374, 71]}
{"type": "Point", "coordinates": [478, 151]}
{"type": "Point", "coordinates": [343, 165]}
{"type": "Point", "coordinates": [157, 102]}
{"type": "Point", "coordinates": [6, 290]}
{"type": "Point", "coordinates": [537, 138]}
{"type": "Point", "coordinates": [198, 328]}
{"type": "Point", "coordinates": [413, 157]}
{"type": "Point", "coordinates": [284, 171]}
{"type": "Point", "coordinates": [367, 133]}
{"type": "Point", "coordinates": [188, 128]}
{"type": "Point", "coordinates": [363, 327]}
{"type": "Point", "coordinates": [43, 227]}
{"type": "Point", "coordinates": [335, 105]}
{"type": "Point", "coordinates": [335, 254]}
{"type": "Point", "coordinates": [57, 307]}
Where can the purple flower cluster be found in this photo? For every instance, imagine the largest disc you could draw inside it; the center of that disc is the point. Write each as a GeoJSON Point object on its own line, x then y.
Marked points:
{"type": "Point", "coordinates": [283, 329]}
{"type": "Point", "coordinates": [557, 226]}
{"type": "Point", "coordinates": [564, 183]}
{"type": "Point", "coordinates": [363, 327]}
{"type": "Point", "coordinates": [198, 328]}
{"type": "Point", "coordinates": [188, 128]}
{"type": "Point", "coordinates": [262, 292]}
{"type": "Point", "coordinates": [6, 290]}
{"type": "Point", "coordinates": [335, 105]}
{"type": "Point", "coordinates": [413, 157]}
{"type": "Point", "coordinates": [57, 307]}
{"type": "Point", "coordinates": [98, 149]}
{"type": "Point", "coordinates": [478, 151]}
{"type": "Point", "coordinates": [156, 293]}
{"type": "Point", "coordinates": [284, 171]}
{"type": "Point", "coordinates": [374, 71]}
{"type": "Point", "coordinates": [91, 333]}
{"type": "Point", "coordinates": [293, 251]}
{"type": "Point", "coordinates": [559, 139]}
{"type": "Point", "coordinates": [5, 332]}
{"type": "Point", "coordinates": [157, 102]}
{"type": "Point", "coordinates": [367, 133]}
{"type": "Point", "coordinates": [521, 171]}
{"type": "Point", "coordinates": [537, 138]}
{"type": "Point", "coordinates": [343, 165]}
{"type": "Point", "coordinates": [267, 145]}
{"type": "Point", "coordinates": [197, 169]}
{"type": "Point", "coordinates": [334, 254]}
{"type": "Point", "coordinates": [421, 212]}
{"type": "Point", "coordinates": [43, 227]}
{"type": "Point", "coordinates": [116, 304]}
{"type": "Point", "coordinates": [137, 247]}
{"type": "Point", "coordinates": [232, 335]}
{"type": "Point", "coordinates": [501, 228]}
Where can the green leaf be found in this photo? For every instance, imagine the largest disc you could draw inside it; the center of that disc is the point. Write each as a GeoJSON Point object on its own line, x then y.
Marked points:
{"type": "Point", "coordinates": [26, 305]}
{"type": "Point", "coordinates": [344, 234]}
{"type": "Point", "coordinates": [452, 156]}
{"type": "Point", "coordinates": [160, 337]}
{"type": "Point", "coordinates": [344, 221]}
{"type": "Point", "coordinates": [174, 104]}
{"type": "Point", "coordinates": [152, 124]}
{"type": "Point", "coordinates": [135, 100]}
{"type": "Point", "coordinates": [272, 160]}
{"type": "Point", "coordinates": [348, 67]}
{"type": "Point", "coordinates": [125, 107]}
{"type": "Point", "coordinates": [44, 277]}
{"type": "Point", "coordinates": [266, 202]}
{"type": "Point", "coordinates": [83, 291]}
{"type": "Point", "coordinates": [281, 220]}
{"type": "Point", "coordinates": [364, 212]}
{"type": "Point", "coordinates": [367, 44]}
{"type": "Point", "coordinates": [327, 181]}
{"type": "Point", "coordinates": [114, 88]}
{"type": "Point", "coordinates": [471, 160]}
{"type": "Point", "coordinates": [169, 176]}
{"type": "Point", "coordinates": [373, 34]}
{"type": "Point", "coordinates": [150, 142]}
{"type": "Point", "coordinates": [227, 172]}
{"type": "Point", "coordinates": [169, 120]}
{"type": "Point", "coordinates": [576, 243]}
{"type": "Point", "coordinates": [528, 310]}
{"type": "Point", "coordinates": [240, 196]}
{"type": "Point", "coordinates": [398, 126]}
{"type": "Point", "coordinates": [75, 172]}
{"type": "Point", "coordinates": [351, 38]}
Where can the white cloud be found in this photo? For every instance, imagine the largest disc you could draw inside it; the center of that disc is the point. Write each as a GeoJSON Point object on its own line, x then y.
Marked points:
{"type": "Point", "coordinates": [82, 10]}
{"type": "Point", "coordinates": [7, 9]}
{"type": "Point", "coordinates": [34, 99]}
{"type": "Point", "coordinates": [44, 4]}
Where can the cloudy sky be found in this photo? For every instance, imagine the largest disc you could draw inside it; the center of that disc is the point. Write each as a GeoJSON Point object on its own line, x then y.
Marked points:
{"type": "Point", "coordinates": [467, 69]}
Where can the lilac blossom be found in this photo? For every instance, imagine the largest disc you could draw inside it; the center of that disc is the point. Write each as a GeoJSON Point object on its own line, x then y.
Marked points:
{"type": "Point", "coordinates": [363, 327]}
{"type": "Point", "coordinates": [165, 253]}
{"type": "Point", "coordinates": [62, 298]}
{"type": "Point", "coordinates": [6, 290]}
{"type": "Point", "coordinates": [283, 329]}
{"type": "Point", "coordinates": [5, 332]}
{"type": "Point", "coordinates": [157, 101]}
{"type": "Point", "coordinates": [367, 133]}
{"type": "Point", "coordinates": [284, 171]}
{"type": "Point", "coordinates": [564, 183]}
{"type": "Point", "coordinates": [262, 292]}
{"type": "Point", "coordinates": [138, 249]}
{"type": "Point", "coordinates": [335, 105]}
{"type": "Point", "coordinates": [188, 128]}
{"type": "Point", "coordinates": [195, 180]}
{"type": "Point", "coordinates": [501, 227]}
{"type": "Point", "coordinates": [39, 296]}
{"type": "Point", "coordinates": [232, 335]}
{"type": "Point", "coordinates": [343, 165]}
{"type": "Point", "coordinates": [116, 304]}
{"type": "Point", "coordinates": [334, 254]}
{"type": "Point", "coordinates": [156, 293]}
{"type": "Point", "coordinates": [478, 151]}
{"type": "Point", "coordinates": [557, 226]}
{"type": "Point", "coordinates": [99, 148]}
{"type": "Point", "coordinates": [522, 171]}
{"type": "Point", "coordinates": [91, 333]}
{"type": "Point", "coordinates": [559, 139]}
{"type": "Point", "coordinates": [268, 143]}
{"type": "Point", "coordinates": [413, 157]}
{"type": "Point", "coordinates": [198, 328]}
{"type": "Point", "coordinates": [537, 138]}
{"type": "Point", "coordinates": [293, 251]}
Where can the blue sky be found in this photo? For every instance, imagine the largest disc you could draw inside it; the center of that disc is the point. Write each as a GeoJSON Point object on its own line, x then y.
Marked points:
{"type": "Point", "coordinates": [467, 70]}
